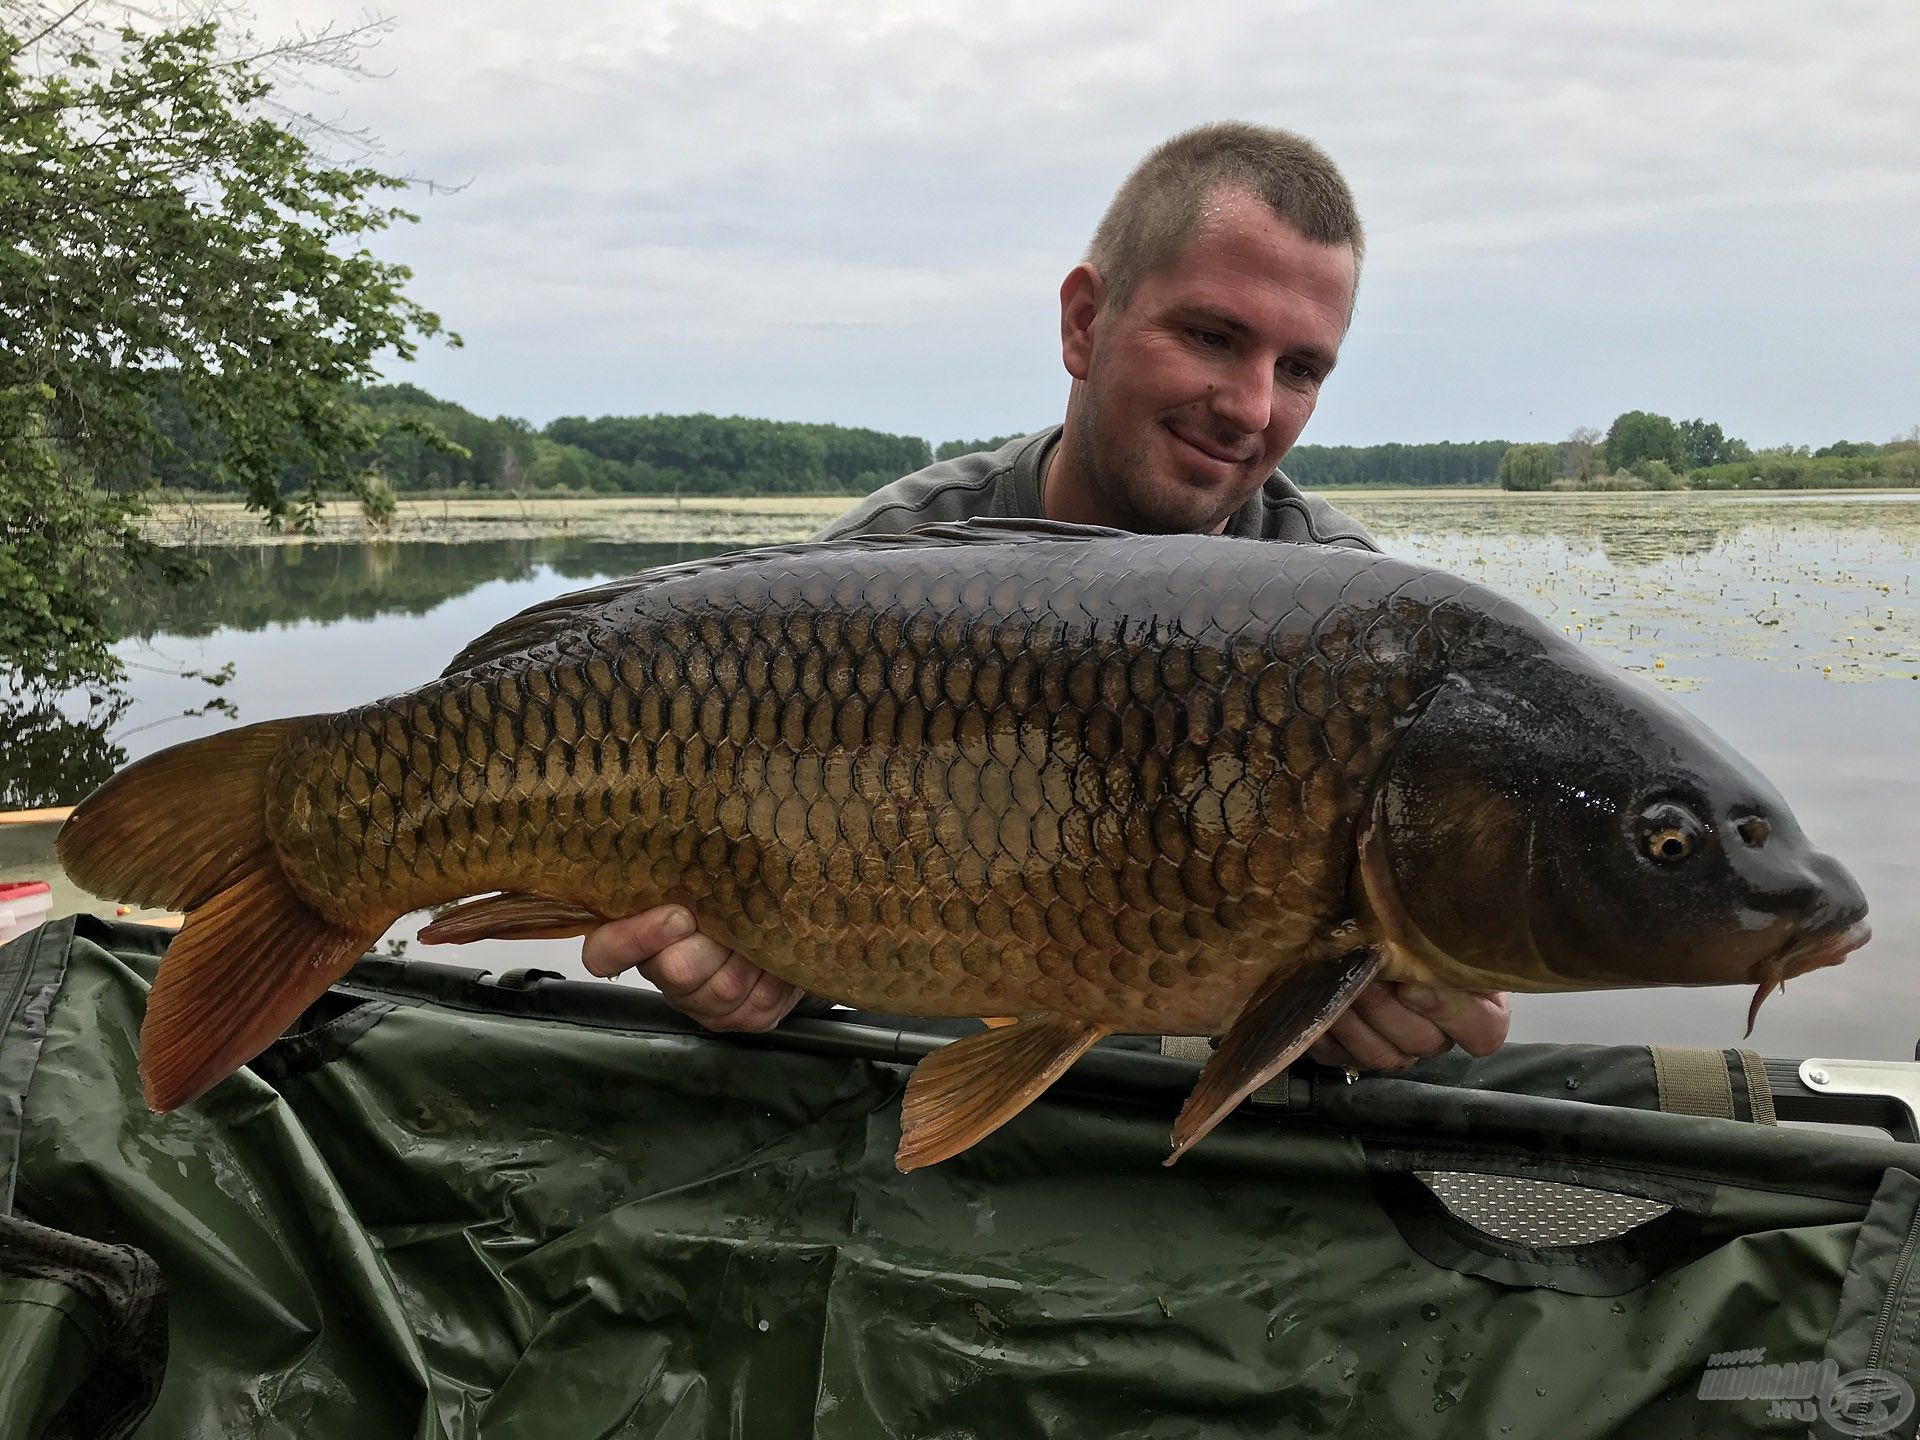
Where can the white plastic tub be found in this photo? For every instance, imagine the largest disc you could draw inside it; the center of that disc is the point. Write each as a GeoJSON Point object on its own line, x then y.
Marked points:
{"type": "Point", "coordinates": [23, 905]}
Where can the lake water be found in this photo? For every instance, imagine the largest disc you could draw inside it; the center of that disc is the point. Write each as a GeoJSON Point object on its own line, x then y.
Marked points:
{"type": "Point", "coordinates": [1788, 623]}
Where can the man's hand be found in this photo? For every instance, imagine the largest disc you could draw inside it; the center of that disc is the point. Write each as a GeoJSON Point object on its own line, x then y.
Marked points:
{"type": "Point", "coordinates": [700, 977]}
{"type": "Point", "coordinates": [1392, 1025]}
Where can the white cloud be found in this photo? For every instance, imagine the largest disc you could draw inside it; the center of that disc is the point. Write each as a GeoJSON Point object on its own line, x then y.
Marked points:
{"type": "Point", "coordinates": [861, 212]}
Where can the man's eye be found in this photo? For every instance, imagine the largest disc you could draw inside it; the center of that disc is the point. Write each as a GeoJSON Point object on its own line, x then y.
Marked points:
{"type": "Point", "coordinates": [1299, 370]}
{"type": "Point", "coordinates": [1208, 339]}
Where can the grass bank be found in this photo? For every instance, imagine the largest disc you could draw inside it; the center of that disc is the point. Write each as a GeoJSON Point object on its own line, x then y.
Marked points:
{"type": "Point", "coordinates": [194, 521]}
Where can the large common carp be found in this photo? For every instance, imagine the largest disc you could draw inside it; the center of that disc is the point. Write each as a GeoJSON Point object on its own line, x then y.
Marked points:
{"type": "Point", "coordinates": [1103, 783]}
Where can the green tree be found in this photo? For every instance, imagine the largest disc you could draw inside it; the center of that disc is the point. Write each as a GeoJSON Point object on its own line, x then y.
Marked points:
{"type": "Point", "coordinates": [166, 238]}
{"type": "Point", "coordinates": [1641, 435]}
{"type": "Point", "coordinates": [952, 449]}
{"type": "Point", "coordinates": [1657, 473]}
{"type": "Point", "coordinates": [1706, 444]}
{"type": "Point", "coordinates": [1529, 467]}
{"type": "Point", "coordinates": [1441, 462]}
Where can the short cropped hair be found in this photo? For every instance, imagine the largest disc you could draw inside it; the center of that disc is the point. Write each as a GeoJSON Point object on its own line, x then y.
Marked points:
{"type": "Point", "coordinates": [1155, 212]}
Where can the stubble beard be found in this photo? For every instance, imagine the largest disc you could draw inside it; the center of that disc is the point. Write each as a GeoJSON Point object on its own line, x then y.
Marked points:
{"type": "Point", "coordinates": [1132, 495]}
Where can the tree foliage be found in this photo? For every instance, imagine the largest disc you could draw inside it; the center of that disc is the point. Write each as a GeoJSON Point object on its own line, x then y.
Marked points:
{"type": "Point", "coordinates": [162, 234]}
{"type": "Point", "coordinates": [1867, 467]}
{"type": "Point", "coordinates": [1444, 462]}
{"type": "Point", "coordinates": [713, 454]}
{"type": "Point", "coordinates": [1641, 435]}
{"type": "Point", "coordinates": [954, 449]}
{"type": "Point", "coordinates": [166, 237]}
{"type": "Point", "coordinates": [1529, 467]}
{"type": "Point", "coordinates": [1706, 444]}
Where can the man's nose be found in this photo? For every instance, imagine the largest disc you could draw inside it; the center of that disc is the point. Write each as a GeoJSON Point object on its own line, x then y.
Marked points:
{"type": "Point", "coordinates": [1244, 398]}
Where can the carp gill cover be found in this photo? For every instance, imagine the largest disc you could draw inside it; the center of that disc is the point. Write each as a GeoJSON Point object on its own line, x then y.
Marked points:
{"type": "Point", "coordinates": [1104, 783]}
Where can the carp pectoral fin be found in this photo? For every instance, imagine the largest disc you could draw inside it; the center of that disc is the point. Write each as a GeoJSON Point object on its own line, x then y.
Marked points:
{"type": "Point", "coordinates": [1289, 1011]}
{"type": "Point", "coordinates": [513, 915]}
{"type": "Point", "coordinates": [965, 1091]}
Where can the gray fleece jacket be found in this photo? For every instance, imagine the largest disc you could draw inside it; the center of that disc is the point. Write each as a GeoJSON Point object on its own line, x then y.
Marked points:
{"type": "Point", "coordinates": [1005, 483]}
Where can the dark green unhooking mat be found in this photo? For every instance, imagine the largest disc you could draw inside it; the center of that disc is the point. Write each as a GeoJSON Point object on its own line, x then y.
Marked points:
{"type": "Point", "coordinates": [447, 1207]}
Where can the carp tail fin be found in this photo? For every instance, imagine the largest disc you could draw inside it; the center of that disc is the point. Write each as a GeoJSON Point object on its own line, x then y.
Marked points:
{"type": "Point", "coordinates": [174, 829]}
{"type": "Point", "coordinates": [185, 829]}
{"type": "Point", "coordinates": [244, 966]}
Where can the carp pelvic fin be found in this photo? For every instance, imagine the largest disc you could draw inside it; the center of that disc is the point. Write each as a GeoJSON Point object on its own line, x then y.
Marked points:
{"type": "Point", "coordinates": [1289, 1011]}
{"type": "Point", "coordinates": [512, 915]}
{"type": "Point", "coordinates": [965, 1091]}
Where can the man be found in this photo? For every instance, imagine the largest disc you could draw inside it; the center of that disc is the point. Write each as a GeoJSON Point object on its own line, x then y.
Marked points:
{"type": "Point", "coordinates": [1198, 331]}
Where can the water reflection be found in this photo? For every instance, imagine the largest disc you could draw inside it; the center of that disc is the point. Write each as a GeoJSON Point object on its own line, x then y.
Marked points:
{"type": "Point", "coordinates": [50, 756]}
{"type": "Point", "coordinates": [251, 587]}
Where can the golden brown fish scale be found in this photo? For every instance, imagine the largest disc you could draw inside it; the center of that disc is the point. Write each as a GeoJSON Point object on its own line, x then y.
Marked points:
{"type": "Point", "coordinates": [921, 787]}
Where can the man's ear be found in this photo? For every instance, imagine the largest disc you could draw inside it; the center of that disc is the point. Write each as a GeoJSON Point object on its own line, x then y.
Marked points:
{"type": "Point", "coordinates": [1082, 296]}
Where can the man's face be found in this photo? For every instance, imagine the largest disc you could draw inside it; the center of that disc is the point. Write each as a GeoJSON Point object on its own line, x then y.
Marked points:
{"type": "Point", "coordinates": [1187, 398]}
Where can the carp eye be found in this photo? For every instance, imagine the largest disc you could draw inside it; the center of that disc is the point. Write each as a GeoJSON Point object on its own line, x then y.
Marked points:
{"type": "Point", "coordinates": [1754, 829]}
{"type": "Point", "coordinates": [1668, 833]}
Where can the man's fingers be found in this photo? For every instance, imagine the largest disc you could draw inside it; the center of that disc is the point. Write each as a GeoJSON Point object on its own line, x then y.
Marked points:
{"type": "Point", "coordinates": [700, 977]}
{"type": "Point", "coordinates": [1410, 1032]}
{"type": "Point", "coordinates": [622, 944]}
{"type": "Point", "coordinates": [1390, 1026]}
{"type": "Point", "coordinates": [722, 992]}
{"type": "Point", "coordinates": [765, 1005]}
{"type": "Point", "coordinates": [1475, 1020]}
{"type": "Point", "coordinates": [1329, 1051]}
{"type": "Point", "coordinates": [1367, 1048]}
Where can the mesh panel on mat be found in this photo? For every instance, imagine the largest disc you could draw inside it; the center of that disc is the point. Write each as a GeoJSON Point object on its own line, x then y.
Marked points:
{"type": "Point", "coordinates": [1539, 1212]}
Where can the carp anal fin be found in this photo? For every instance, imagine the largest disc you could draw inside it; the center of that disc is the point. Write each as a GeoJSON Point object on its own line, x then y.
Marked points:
{"type": "Point", "coordinates": [511, 915]}
{"type": "Point", "coordinates": [243, 967]}
{"type": "Point", "coordinates": [965, 1091]}
{"type": "Point", "coordinates": [1289, 1011]}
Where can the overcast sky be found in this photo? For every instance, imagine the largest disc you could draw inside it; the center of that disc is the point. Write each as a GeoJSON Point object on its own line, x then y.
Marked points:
{"type": "Point", "coordinates": [830, 210]}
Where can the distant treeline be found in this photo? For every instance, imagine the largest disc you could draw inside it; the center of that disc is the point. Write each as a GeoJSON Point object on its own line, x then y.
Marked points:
{"type": "Point", "coordinates": [1645, 451]}
{"type": "Point", "coordinates": [435, 446]}
{"type": "Point", "coordinates": [614, 455]}
{"type": "Point", "coordinates": [1443, 462]}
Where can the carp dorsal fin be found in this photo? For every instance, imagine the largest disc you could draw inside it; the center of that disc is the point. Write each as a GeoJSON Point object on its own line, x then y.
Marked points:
{"type": "Point", "coordinates": [965, 1091]}
{"type": "Point", "coordinates": [510, 915]}
{"type": "Point", "coordinates": [1000, 529]}
{"type": "Point", "coordinates": [539, 624]}
{"type": "Point", "coordinates": [1290, 1010]}
{"type": "Point", "coordinates": [572, 613]}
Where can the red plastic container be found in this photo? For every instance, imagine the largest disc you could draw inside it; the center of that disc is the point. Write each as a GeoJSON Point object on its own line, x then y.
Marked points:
{"type": "Point", "coordinates": [23, 905]}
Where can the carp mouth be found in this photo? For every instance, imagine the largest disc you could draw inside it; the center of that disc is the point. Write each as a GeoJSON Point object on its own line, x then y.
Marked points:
{"type": "Point", "coordinates": [1812, 952]}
